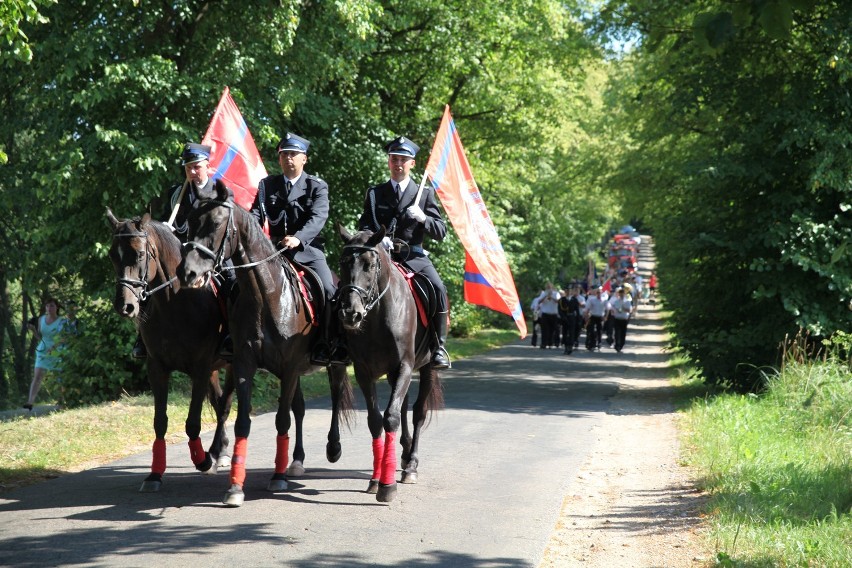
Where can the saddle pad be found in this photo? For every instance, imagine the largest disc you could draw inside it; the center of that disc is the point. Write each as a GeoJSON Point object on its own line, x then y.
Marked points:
{"type": "Point", "coordinates": [418, 301]}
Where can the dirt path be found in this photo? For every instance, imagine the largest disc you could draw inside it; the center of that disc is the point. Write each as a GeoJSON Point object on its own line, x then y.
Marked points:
{"type": "Point", "coordinates": [632, 504]}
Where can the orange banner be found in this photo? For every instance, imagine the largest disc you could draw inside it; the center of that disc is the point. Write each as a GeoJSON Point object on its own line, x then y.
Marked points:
{"type": "Point", "coordinates": [487, 279]}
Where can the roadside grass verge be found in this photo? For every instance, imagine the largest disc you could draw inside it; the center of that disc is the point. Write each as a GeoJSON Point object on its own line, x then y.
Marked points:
{"type": "Point", "coordinates": [778, 467]}
{"type": "Point", "coordinates": [38, 448]}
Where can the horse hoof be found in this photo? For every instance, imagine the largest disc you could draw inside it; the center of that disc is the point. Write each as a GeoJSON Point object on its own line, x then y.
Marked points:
{"type": "Point", "coordinates": [373, 488]}
{"type": "Point", "coordinates": [224, 462]}
{"type": "Point", "coordinates": [296, 469]}
{"type": "Point", "coordinates": [212, 470]}
{"type": "Point", "coordinates": [150, 486]}
{"type": "Point", "coordinates": [386, 493]}
{"type": "Point", "coordinates": [207, 464]}
{"type": "Point", "coordinates": [277, 484]}
{"type": "Point", "coordinates": [234, 497]}
{"type": "Point", "coordinates": [333, 452]}
{"type": "Point", "coordinates": [409, 477]}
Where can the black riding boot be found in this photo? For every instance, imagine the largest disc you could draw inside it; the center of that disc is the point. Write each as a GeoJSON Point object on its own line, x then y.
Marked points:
{"type": "Point", "coordinates": [440, 357]}
{"type": "Point", "coordinates": [139, 350]}
{"type": "Point", "coordinates": [331, 348]}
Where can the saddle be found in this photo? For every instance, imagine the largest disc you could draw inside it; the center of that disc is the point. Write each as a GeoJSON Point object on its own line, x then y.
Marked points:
{"type": "Point", "coordinates": [423, 291]}
{"type": "Point", "coordinates": [308, 283]}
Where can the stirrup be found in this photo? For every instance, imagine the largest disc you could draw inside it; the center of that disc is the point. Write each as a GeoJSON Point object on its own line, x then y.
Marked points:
{"type": "Point", "coordinates": [139, 351]}
{"type": "Point", "coordinates": [441, 359]}
{"type": "Point", "coordinates": [320, 356]}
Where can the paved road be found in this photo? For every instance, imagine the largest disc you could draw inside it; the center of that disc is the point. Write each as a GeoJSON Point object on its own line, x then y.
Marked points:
{"type": "Point", "coordinates": [495, 464]}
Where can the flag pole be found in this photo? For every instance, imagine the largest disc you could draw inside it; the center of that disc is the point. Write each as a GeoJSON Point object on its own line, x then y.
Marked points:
{"type": "Point", "coordinates": [177, 205]}
{"type": "Point", "coordinates": [420, 190]}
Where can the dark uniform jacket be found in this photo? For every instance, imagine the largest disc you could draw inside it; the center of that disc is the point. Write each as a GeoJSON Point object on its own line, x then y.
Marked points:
{"type": "Point", "coordinates": [382, 207]}
{"type": "Point", "coordinates": [189, 201]}
{"type": "Point", "coordinates": [300, 212]}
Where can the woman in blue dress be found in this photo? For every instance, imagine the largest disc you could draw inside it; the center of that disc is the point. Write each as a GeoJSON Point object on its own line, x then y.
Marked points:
{"type": "Point", "coordinates": [47, 331]}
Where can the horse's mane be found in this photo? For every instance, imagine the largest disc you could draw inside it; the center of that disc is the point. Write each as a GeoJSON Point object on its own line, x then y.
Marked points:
{"type": "Point", "coordinates": [253, 231]}
{"type": "Point", "coordinates": [168, 244]}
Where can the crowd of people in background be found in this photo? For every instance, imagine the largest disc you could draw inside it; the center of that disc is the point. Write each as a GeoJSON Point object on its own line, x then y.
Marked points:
{"type": "Point", "coordinates": [600, 308]}
{"type": "Point", "coordinates": [51, 330]}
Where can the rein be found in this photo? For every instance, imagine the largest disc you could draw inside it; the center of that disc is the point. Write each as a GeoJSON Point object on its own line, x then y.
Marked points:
{"type": "Point", "coordinates": [219, 256]}
{"type": "Point", "coordinates": [366, 294]}
{"type": "Point", "coordinates": [131, 283]}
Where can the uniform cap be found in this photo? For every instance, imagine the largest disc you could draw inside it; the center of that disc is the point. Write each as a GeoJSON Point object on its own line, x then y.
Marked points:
{"type": "Point", "coordinates": [401, 146]}
{"type": "Point", "coordinates": [195, 153]}
{"type": "Point", "coordinates": [293, 143]}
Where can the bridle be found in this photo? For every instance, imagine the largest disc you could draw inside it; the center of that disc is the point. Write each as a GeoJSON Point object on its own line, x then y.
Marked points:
{"type": "Point", "coordinates": [218, 257]}
{"type": "Point", "coordinates": [133, 284]}
{"type": "Point", "coordinates": [370, 298]}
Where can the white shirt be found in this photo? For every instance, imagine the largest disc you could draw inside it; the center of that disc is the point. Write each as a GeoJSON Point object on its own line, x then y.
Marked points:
{"type": "Point", "coordinates": [399, 188]}
{"type": "Point", "coordinates": [548, 302]}
{"type": "Point", "coordinates": [595, 306]}
{"type": "Point", "coordinates": [621, 308]}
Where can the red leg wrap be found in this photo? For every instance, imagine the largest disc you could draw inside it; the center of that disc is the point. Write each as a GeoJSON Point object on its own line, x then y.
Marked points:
{"type": "Point", "coordinates": [158, 462]}
{"type": "Point", "coordinates": [378, 453]}
{"type": "Point", "coordinates": [196, 451]}
{"type": "Point", "coordinates": [389, 460]}
{"type": "Point", "coordinates": [282, 453]}
{"type": "Point", "coordinates": [238, 462]}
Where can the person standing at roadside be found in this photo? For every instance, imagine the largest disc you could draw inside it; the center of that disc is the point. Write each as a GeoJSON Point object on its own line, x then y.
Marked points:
{"type": "Point", "coordinates": [620, 309]}
{"type": "Point", "coordinates": [47, 329]}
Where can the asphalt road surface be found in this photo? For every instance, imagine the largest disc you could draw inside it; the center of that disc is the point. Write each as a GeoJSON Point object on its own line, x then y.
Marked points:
{"type": "Point", "coordinates": [495, 464]}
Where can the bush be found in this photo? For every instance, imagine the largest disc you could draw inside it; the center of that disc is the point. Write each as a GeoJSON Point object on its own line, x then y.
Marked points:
{"type": "Point", "coordinates": [97, 365]}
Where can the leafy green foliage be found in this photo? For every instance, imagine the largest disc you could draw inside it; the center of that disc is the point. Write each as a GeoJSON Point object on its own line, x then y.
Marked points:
{"type": "Point", "coordinates": [98, 115]}
{"type": "Point", "coordinates": [738, 164]}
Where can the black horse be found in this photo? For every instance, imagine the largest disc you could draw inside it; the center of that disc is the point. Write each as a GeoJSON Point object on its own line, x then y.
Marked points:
{"type": "Point", "coordinates": [180, 330]}
{"type": "Point", "coordinates": [271, 325]}
{"type": "Point", "coordinates": [386, 337]}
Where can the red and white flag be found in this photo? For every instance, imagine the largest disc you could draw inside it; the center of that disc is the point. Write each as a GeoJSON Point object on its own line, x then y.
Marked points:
{"type": "Point", "coordinates": [487, 277]}
{"type": "Point", "coordinates": [234, 155]}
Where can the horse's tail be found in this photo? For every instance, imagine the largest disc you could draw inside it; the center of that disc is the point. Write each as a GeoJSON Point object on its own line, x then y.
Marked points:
{"type": "Point", "coordinates": [341, 384]}
{"type": "Point", "coordinates": [220, 397]}
{"type": "Point", "coordinates": [435, 399]}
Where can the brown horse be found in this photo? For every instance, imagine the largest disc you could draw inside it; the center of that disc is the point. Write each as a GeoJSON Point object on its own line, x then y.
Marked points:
{"type": "Point", "coordinates": [181, 332]}
{"type": "Point", "coordinates": [270, 323]}
{"type": "Point", "coordinates": [386, 337]}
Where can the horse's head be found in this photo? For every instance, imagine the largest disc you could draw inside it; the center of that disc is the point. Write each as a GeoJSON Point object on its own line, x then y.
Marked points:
{"type": "Point", "coordinates": [361, 264]}
{"type": "Point", "coordinates": [134, 261]}
{"type": "Point", "coordinates": [210, 238]}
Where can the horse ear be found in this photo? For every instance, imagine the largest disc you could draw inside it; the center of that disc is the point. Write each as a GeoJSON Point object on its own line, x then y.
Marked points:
{"type": "Point", "coordinates": [344, 234]}
{"type": "Point", "coordinates": [221, 190]}
{"type": "Point", "coordinates": [146, 218]}
{"type": "Point", "coordinates": [112, 220]}
{"type": "Point", "coordinates": [376, 238]}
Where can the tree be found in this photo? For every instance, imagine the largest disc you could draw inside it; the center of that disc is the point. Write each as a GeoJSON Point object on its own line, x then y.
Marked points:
{"type": "Point", "coordinates": [737, 119]}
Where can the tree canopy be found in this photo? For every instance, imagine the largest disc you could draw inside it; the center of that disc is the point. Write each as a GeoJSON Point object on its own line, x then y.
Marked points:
{"type": "Point", "coordinates": [102, 96]}
{"type": "Point", "coordinates": [719, 126]}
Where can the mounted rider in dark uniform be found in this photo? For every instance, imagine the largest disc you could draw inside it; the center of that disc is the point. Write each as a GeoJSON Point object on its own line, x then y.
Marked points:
{"type": "Point", "coordinates": [296, 206]}
{"type": "Point", "coordinates": [183, 198]}
{"type": "Point", "coordinates": [392, 205]}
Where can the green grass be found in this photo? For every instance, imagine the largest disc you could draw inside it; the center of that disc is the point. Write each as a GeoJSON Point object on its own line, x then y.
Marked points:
{"type": "Point", "coordinates": [778, 469]}
{"type": "Point", "coordinates": [34, 449]}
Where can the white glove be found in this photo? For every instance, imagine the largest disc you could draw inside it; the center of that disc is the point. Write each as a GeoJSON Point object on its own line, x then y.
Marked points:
{"type": "Point", "coordinates": [388, 244]}
{"type": "Point", "coordinates": [416, 213]}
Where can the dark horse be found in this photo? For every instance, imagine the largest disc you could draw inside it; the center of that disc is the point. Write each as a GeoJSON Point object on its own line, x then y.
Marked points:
{"type": "Point", "coordinates": [271, 326]}
{"type": "Point", "coordinates": [181, 331]}
{"type": "Point", "coordinates": [386, 337]}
